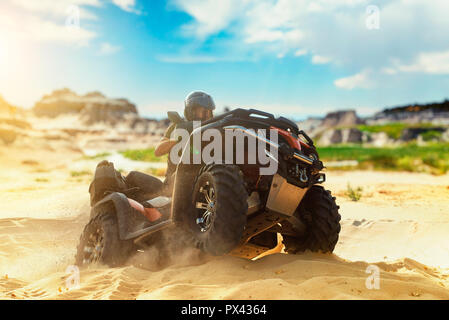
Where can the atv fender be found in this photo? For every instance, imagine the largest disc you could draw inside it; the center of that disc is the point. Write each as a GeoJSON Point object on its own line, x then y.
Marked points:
{"type": "Point", "coordinates": [128, 219]}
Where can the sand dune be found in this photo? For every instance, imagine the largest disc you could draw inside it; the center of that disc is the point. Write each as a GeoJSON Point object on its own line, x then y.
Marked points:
{"type": "Point", "coordinates": [400, 225]}
{"type": "Point", "coordinates": [35, 254]}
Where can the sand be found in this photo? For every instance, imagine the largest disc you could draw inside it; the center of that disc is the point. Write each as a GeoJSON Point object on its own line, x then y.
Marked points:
{"type": "Point", "coordinates": [399, 227]}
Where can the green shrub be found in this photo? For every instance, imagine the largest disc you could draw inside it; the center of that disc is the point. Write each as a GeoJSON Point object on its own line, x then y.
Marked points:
{"type": "Point", "coordinates": [393, 130]}
{"type": "Point", "coordinates": [97, 156]}
{"type": "Point", "coordinates": [408, 157]}
{"type": "Point", "coordinates": [143, 155]}
{"type": "Point", "coordinates": [80, 173]}
{"type": "Point", "coordinates": [353, 194]}
{"type": "Point", "coordinates": [431, 135]}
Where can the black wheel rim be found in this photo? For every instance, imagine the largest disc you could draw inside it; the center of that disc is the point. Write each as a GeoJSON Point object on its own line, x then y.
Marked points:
{"type": "Point", "coordinates": [205, 203]}
{"type": "Point", "coordinates": [93, 249]}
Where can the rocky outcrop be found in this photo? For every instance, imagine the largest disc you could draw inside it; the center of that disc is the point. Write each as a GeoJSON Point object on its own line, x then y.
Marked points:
{"type": "Point", "coordinates": [378, 139]}
{"type": "Point", "coordinates": [7, 136]}
{"type": "Point", "coordinates": [413, 133]}
{"type": "Point", "coordinates": [330, 130]}
{"type": "Point", "coordinates": [330, 137]}
{"type": "Point", "coordinates": [310, 125]}
{"type": "Point", "coordinates": [445, 136]}
{"type": "Point", "coordinates": [352, 135]}
{"type": "Point", "coordinates": [94, 111]}
{"type": "Point", "coordinates": [343, 118]}
{"type": "Point", "coordinates": [338, 136]}
{"type": "Point", "coordinates": [341, 126]}
{"type": "Point", "coordinates": [93, 107]}
{"type": "Point", "coordinates": [5, 107]}
{"type": "Point", "coordinates": [9, 109]}
{"type": "Point", "coordinates": [13, 122]}
{"type": "Point", "coordinates": [316, 127]}
{"type": "Point", "coordinates": [436, 113]}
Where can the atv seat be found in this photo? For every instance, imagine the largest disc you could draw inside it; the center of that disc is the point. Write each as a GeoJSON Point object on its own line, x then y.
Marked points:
{"type": "Point", "coordinates": [149, 186]}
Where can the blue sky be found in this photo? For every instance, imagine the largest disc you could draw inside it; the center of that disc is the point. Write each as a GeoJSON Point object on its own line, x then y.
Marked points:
{"type": "Point", "coordinates": [293, 57]}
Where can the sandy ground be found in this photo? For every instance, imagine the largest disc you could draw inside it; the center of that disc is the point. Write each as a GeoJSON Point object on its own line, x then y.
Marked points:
{"type": "Point", "coordinates": [400, 226]}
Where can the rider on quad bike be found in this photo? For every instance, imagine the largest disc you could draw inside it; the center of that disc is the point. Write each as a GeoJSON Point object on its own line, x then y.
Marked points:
{"type": "Point", "coordinates": [220, 206]}
{"type": "Point", "coordinates": [198, 106]}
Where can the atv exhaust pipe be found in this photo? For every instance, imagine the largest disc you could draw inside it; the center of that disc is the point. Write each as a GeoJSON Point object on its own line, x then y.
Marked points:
{"type": "Point", "coordinates": [303, 158]}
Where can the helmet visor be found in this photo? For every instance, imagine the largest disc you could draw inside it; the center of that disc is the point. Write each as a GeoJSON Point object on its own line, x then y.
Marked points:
{"type": "Point", "coordinates": [201, 114]}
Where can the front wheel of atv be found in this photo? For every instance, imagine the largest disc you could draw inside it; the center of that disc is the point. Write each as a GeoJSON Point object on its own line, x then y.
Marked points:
{"type": "Point", "coordinates": [218, 216]}
{"type": "Point", "coordinates": [100, 243]}
{"type": "Point", "coordinates": [319, 221]}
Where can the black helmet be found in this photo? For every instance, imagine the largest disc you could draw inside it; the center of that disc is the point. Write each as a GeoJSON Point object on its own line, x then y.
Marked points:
{"type": "Point", "coordinates": [197, 99]}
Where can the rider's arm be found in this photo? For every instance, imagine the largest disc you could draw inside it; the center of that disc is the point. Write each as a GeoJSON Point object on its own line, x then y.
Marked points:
{"type": "Point", "coordinates": [164, 146]}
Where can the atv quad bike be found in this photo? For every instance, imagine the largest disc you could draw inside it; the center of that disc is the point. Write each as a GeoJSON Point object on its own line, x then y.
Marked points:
{"type": "Point", "coordinates": [223, 208]}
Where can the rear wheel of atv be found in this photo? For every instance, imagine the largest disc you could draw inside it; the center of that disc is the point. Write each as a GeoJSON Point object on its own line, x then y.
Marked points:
{"type": "Point", "coordinates": [218, 216]}
{"type": "Point", "coordinates": [319, 222]}
{"type": "Point", "coordinates": [100, 243]}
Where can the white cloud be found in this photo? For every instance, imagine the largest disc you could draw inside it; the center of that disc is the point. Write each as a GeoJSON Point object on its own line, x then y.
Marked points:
{"type": "Point", "coordinates": [390, 71]}
{"type": "Point", "coordinates": [54, 21]}
{"type": "Point", "coordinates": [187, 59]}
{"type": "Point", "coordinates": [281, 55]}
{"type": "Point", "coordinates": [32, 21]}
{"type": "Point", "coordinates": [333, 30]}
{"type": "Point", "coordinates": [300, 52]}
{"type": "Point", "coordinates": [264, 36]}
{"type": "Point", "coordinates": [56, 8]}
{"type": "Point", "coordinates": [359, 80]}
{"type": "Point", "coordinates": [210, 16]}
{"type": "Point", "coordinates": [316, 59]}
{"type": "Point", "coordinates": [47, 31]}
{"type": "Point", "coordinates": [108, 49]}
{"type": "Point", "coordinates": [429, 62]}
{"type": "Point", "coordinates": [126, 5]}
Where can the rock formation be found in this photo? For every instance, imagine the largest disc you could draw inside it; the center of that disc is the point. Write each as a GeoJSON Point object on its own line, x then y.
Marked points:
{"type": "Point", "coordinates": [337, 136]}
{"type": "Point", "coordinates": [8, 109]}
{"type": "Point", "coordinates": [413, 133]}
{"type": "Point", "coordinates": [329, 129]}
{"type": "Point", "coordinates": [93, 106]}
{"type": "Point", "coordinates": [94, 109]}
{"type": "Point", "coordinates": [341, 118]}
{"type": "Point", "coordinates": [436, 113]}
